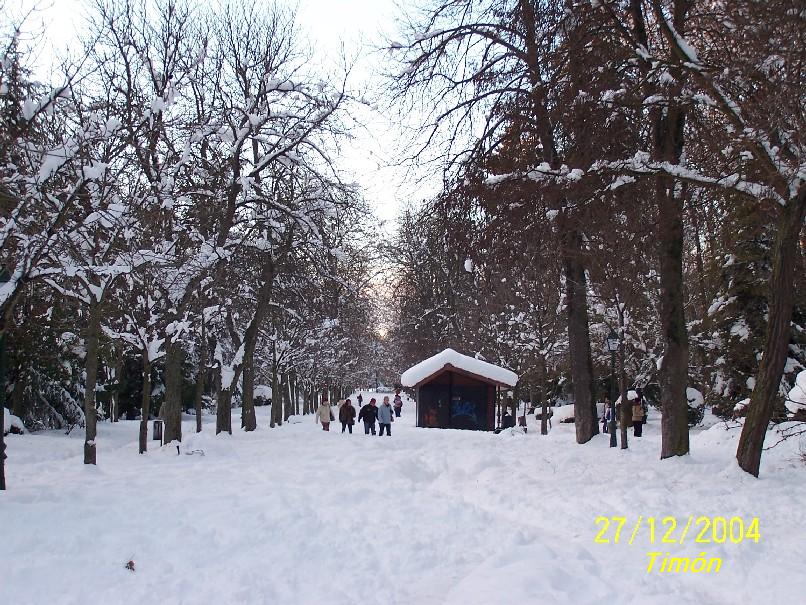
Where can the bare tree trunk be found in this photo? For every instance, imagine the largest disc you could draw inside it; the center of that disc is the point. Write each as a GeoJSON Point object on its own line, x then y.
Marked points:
{"type": "Point", "coordinates": [674, 367]}
{"type": "Point", "coordinates": [172, 405]}
{"type": "Point", "coordinates": [146, 403]}
{"type": "Point", "coordinates": [201, 375]}
{"type": "Point", "coordinates": [544, 400]}
{"type": "Point", "coordinates": [2, 410]}
{"type": "Point", "coordinates": [626, 412]}
{"type": "Point", "coordinates": [248, 417]}
{"type": "Point", "coordinates": [306, 404]}
{"type": "Point", "coordinates": [668, 131]}
{"type": "Point", "coordinates": [287, 408]}
{"type": "Point", "coordinates": [223, 416]}
{"type": "Point", "coordinates": [91, 370]}
{"type": "Point", "coordinates": [17, 399]}
{"type": "Point", "coordinates": [115, 397]}
{"type": "Point", "coordinates": [579, 347]}
{"type": "Point", "coordinates": [776, 343]}
{"type": "Point", "coordinates": [275, 387]}
{"type": "Point", "coordinates": [295, 393]}
{"type": "Point", "coordinates": [223, 422]}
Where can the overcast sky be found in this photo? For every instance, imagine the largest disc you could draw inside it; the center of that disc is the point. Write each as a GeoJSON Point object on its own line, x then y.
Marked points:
{"type": "Point", "coordinates": [357, 26]}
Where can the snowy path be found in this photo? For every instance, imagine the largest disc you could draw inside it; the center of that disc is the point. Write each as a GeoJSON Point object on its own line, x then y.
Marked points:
{"type": "Point", "coordinates": [297, 515]}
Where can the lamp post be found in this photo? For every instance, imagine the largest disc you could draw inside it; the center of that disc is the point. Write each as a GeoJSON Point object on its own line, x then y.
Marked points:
{"type": "Point", "coordinates": [613, 343]}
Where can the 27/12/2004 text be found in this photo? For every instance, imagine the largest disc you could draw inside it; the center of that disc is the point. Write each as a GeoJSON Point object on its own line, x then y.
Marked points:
{"type": "Point", "coordinates": [667, 530]}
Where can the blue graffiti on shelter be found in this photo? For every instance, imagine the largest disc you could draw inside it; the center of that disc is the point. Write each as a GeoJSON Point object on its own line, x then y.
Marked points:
{"type": "Point", "coordinates": [463, 408]}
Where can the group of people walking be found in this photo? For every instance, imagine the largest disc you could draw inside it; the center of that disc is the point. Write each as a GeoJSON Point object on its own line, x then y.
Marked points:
{"type": "Point", "coordinates": [369, 414]}
{"type": "Point", "coordinates": [638, 413]}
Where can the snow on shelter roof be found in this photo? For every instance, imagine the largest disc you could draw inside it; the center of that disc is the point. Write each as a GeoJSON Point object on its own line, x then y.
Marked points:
{"type": "Point", "coordinates": [431, 366]}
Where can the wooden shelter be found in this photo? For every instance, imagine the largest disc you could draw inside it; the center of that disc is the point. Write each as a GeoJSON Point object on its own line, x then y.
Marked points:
{"type": "Point", "coordinates": [454, 391]}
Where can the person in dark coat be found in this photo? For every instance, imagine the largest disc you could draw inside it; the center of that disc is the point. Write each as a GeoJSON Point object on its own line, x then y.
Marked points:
{"type": "Point", "coordinates": [644, 405]}
{"type": "Point", "coordinates": [360, 399]}
{"type": "Point", "coordinates": [398, 404]}
{"type": "Point", "coordinates": [369, 414]}
{"type": "Point", "coordinates": [347, 416]}
{"type": "Point", "coordinates": [637, 417]}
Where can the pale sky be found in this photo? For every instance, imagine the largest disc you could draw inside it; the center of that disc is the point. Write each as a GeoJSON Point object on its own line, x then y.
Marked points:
{"type": "Point", "coordinates": [358, 26]}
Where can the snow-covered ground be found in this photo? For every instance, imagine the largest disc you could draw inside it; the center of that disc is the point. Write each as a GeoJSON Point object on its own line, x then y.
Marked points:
{"type": "Point", "coordinates": [296, 515]}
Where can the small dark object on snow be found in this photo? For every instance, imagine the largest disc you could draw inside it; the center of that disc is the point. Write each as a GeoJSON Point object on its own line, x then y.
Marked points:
{"type": "Point", "coordinates": [130, 565]}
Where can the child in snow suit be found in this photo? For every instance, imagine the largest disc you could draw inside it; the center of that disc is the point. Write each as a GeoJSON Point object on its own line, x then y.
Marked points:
{"type": "Point", "coordinates": [369, 413]}
{"type": "Point", "coordinates": [398, 404]}
{"type": "Point", "coordinates": [323, 414]}
{"type": "Point", "coordinates": [347, 416]}
{"type": "Point", "coordinates": [385, 417]}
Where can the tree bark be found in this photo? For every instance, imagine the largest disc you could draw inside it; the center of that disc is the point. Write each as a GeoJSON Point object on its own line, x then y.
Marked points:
{"type": "Point", "coordinates": [669, 137]}
{"type": "Point", "coordinates": [287, 411]}
{"type": "Point", "coordinates": [17, 399]}
{"type": "Point", "coordinates": [91, 371]}
{"type": "Point", "coordinates": [146, 403]}
{"type": "Point", "coordinates": [275, 387]}
{"type": "Point", "coordinates": [2, 410]}
{"type": "Point", "coordinates": [223, 421]}
{"type": "Point", "coordinates": [248, 418]}
{"type": "Point", "coordinates": [264, 296]}
{"type": "Point", "coordinates": [201, 374]}
{"type": "Point", "coordinates": [776, 343]}
{"type": "Point", "coordinates": [674, 367]}
{"type": "Point", "coordinates": [579, 347]}
{"type": "Point", "coordinates": [626, 412]}
{"type": "Point", "coordinates": [172, 406]}
{"type": "Point", "coordinates": [114, 413]}
{"type": "Point", "coordinates": [294, 394]}
{"type": "Point", "coordinates": [544, 403]}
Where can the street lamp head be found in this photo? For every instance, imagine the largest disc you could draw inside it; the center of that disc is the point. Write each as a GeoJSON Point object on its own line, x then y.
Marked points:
{"type": "Point", "coordinates": [612, 341]}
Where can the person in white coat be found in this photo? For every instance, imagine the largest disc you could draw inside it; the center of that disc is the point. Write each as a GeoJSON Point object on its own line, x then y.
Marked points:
{"type": "Point", "coordinates": [323, 414]}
